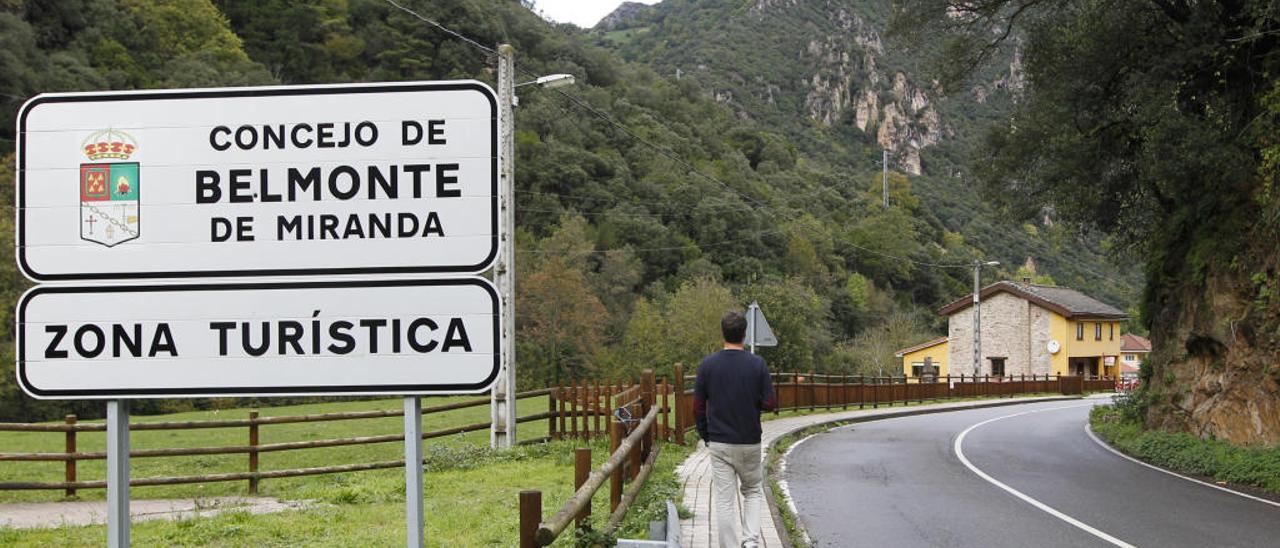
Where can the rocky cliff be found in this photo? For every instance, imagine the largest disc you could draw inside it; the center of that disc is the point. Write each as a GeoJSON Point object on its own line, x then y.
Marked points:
{"type": "Point", "coordinates": [824, 61]}
{"type": "Point", "coordinates": [624, 16]}
{"type": "Point", "coordinates": [1213, 366]}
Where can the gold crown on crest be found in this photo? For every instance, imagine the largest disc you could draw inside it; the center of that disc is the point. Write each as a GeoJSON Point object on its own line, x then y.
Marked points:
{"type": "Point", "coordinates": [109, 143]}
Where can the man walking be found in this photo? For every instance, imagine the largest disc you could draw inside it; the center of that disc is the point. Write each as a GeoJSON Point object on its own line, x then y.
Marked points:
{"type": "Point", "coordinates": [732, 389]}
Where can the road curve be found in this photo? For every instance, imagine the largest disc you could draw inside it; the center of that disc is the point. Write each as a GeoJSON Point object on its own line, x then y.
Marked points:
{"type": "Point", "coordinates": [901, 482]}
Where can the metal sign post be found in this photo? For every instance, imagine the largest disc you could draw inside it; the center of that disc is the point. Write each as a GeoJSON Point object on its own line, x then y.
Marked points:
{"type": "Point", "coordinates": [413, 470]}
{"type": "Point", "coordinates": [117, 473]}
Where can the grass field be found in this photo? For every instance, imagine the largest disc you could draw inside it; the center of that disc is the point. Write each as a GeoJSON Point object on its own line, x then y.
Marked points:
{"type": "Point", "coordinates": [471, 493]}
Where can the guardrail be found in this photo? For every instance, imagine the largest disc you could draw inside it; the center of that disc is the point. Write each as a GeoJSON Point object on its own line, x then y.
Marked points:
{"type": "Point", "coordinates": [253, 449]}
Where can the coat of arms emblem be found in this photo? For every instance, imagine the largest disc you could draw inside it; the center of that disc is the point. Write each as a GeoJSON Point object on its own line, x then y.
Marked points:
{"type": "Point", "coordinates": [109, 212]}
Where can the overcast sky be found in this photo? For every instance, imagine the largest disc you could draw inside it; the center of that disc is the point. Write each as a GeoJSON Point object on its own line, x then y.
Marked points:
{"type": "Point", "coordinates": [584, 13]}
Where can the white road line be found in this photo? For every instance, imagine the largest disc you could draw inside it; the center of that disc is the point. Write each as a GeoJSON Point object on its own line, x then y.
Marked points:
{"type": "Point", "coordinates": [1104, 445]}
{"type": "Point", "coordinates": [959, 450]}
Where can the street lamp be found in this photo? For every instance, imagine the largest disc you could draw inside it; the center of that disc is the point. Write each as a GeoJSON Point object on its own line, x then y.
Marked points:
{"type": "Point", "coordinates": [977, 315]}
{"type": "Point", "coordinates": [551, 81]}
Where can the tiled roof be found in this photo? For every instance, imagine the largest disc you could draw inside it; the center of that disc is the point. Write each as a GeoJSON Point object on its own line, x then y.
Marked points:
{"type": "Point", "coordinates": [1067, 302]}
{"type": "Point", "coordinates": [1133, 343]}
{"type": "Point", "coordinates": [920, 346]}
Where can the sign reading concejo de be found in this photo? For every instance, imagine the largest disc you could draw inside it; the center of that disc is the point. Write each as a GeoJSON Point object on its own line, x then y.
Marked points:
{"type": "Point", "coordinates": [316, 180]}
{"type": "Point", "coordinates": [394, 337]}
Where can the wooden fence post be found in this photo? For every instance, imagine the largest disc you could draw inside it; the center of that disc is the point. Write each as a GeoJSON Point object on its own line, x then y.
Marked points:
{"type": "Point", "coordinates": [615, 480]}
{"type": "Point", "coordinates": [575, 398]}
{"type": "Point", "coordinates": [827, 384]}
{"type": "Point", "coordinates": [560, 397]}
{"type": "Point", "coordinates": [664, 429]}
{"type": "Point", "coordinates": [551, 411]}
{"type": "Point", "coordinates": [71, 460]}
{"type": "Point", "coordinates": [680, 418]}
{"type": "Point", "coordinates": [253, 451]}
{"type": "Point", "coordinates": [844, 391]}
{"type": "Point", "coordinates": [862, 391]}
{"type": "Point", "coordinates": [646, 403]}
{"type": "Point", "coordinates": [530, 517]}
{"type": "Point", "coordinates": [581, 469]}
{"type": "Point", "coordinates": [601, 408]}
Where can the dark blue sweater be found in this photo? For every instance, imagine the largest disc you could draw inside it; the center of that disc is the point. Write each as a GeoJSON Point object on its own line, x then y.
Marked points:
{"type": "Point", "coordinates": [733, 388]}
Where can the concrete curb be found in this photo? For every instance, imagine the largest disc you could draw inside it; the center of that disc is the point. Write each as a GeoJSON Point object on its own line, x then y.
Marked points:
{"type": "Point", "coordinates": [776, 514]}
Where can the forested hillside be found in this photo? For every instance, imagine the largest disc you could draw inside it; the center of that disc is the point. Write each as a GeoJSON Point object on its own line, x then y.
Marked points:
{"type": "Point", "coordinates": [836, 80]}
{"type": "Point", "coordinates": [627, 255]}
{"type": "Point", "coordinates": [1155, 122]}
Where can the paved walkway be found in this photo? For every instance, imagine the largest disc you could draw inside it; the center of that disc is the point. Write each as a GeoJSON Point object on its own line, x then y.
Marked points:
{"type": "Point", "coordinates": [695, 472]}
{"type": "Point", "coordinates": [25, 515]}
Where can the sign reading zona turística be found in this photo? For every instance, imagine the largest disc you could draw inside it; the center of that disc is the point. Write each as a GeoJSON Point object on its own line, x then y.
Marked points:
{"type": "Point", "coordinates": [274, 181]}
{"type": "Point", "coordinates": [392, 337]}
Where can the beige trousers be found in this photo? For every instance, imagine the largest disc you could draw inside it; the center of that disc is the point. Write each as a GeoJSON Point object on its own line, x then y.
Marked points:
{"type": "Point", "coordinates": [736, 468]}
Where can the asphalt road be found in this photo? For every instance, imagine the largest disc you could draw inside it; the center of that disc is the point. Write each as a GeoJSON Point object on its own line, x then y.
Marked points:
{"type": "Point", "coordinates": [900, 482]}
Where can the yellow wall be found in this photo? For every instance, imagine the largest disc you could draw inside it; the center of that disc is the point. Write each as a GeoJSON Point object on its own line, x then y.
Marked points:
{"type": "Point", "coordinates": [1137, 358]}
{"type": "Point", "coordinates": [1064, 331]}
{"type": "Point", "coordinates": [938, 352]}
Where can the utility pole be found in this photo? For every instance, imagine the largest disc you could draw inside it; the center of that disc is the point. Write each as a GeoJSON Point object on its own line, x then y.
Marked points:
{"type": "Point", "coordinates": [884, 163]}
{"type": "Point", "coordinates": [977, 314]}
{"type": "Point", "coordinates": [502, 403]}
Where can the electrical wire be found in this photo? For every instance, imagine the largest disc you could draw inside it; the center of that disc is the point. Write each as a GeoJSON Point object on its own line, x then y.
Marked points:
{"type": "Point", "coordinates": [670, 154]}
{"type": "Point", "coordinates": [444, 29]}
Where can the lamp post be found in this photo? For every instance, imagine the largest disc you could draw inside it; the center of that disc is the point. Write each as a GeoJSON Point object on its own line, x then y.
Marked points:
{"type": "Point", "coordinates": [977, 314]}
{"type": "Point", "coordinates": [502, 400]}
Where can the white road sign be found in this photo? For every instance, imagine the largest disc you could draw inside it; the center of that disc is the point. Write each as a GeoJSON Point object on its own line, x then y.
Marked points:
{"type": "Point", "coordinates": [315, 180]}
{"type": "Point", "coordinates": [401, 337]}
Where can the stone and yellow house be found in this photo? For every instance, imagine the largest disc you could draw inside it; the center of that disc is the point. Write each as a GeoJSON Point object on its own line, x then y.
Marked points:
{"type": "Point", "coordinates": [1027, 329]}
{"type": "Point", "coordinates": [925, 359]}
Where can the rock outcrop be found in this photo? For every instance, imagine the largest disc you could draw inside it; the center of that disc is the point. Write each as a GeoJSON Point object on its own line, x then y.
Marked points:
{"type": "Point", "coordinates": [1214, 371]}
{"type": "Point", "coordinates": [847, 76]}
{"type": "Point", "coordinates": [623, 17]}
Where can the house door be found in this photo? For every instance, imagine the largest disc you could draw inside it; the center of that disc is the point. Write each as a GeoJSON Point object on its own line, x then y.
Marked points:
{"type": "Point", "coordinates": [1083, 367]}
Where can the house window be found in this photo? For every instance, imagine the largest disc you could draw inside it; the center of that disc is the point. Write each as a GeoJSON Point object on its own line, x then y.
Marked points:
{"type": "Point", "coordinates": [1097, 331]}
{"type": "Point", "coordinates": [926, 368]}
{"type": "Point", "coordinates": [1080, 331]}
{"type": "Point", "coordinates": [1113, 331]}
{"type": "Point", "coordinates": [997, 367]}
{"type": "Point", "coordinates": [1130, 358]}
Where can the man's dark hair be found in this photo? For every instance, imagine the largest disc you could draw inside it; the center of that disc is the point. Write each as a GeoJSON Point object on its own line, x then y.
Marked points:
{"type": "Point", "coordinates": [734, 327]}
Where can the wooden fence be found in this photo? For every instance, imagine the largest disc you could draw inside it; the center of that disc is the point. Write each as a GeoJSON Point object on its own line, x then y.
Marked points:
{"type": "Point", "coordinates": [253, 424]}
{"type": "Point", "coordinates": [581, 410]}
{"type": "Point", "coordinates": [813, 391]}
{"type": "Point", "coordinates": [634, 430]}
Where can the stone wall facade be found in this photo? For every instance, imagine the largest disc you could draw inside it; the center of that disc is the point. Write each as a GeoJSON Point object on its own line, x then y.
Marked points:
{"type": "Point", "coordinates": [1012, 328]}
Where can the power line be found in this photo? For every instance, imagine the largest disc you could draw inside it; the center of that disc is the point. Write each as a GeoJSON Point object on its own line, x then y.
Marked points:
{"type": "Point", "coordinates": [661, 248]}
{"type": "Point", "coordinates": [669, 154]}
{"type": "Point", "coordinates": [615, 200]}
{"type": "Point", "coordinates": [444, 29]}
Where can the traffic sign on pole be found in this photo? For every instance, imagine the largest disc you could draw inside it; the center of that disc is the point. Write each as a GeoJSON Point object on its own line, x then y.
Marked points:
{"type": "Point", "coordinates": [392, 337]}
{"type": "Point", "coordinates": [758, 331]}
{"type": "Point", "coordinates": [273, 181]}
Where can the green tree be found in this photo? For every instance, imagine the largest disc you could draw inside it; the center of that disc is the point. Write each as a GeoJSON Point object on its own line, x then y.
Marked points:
{"type": "Point", "coordinates": [693, 316]}
{"type": "Point", "coordinates": [1153, 122]}
{"type": "Point", "coordinates": [559, 324]}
